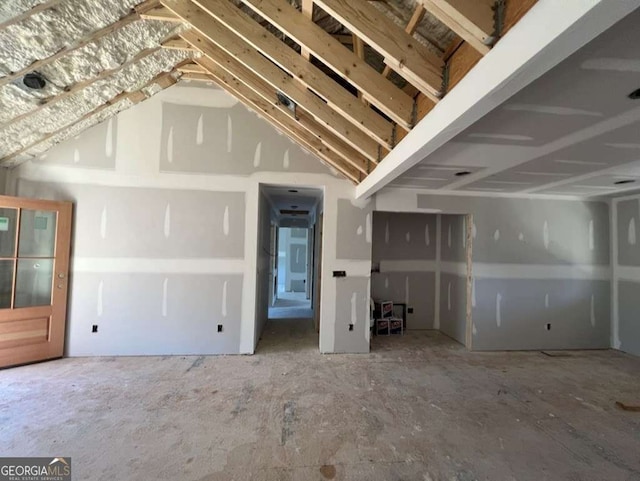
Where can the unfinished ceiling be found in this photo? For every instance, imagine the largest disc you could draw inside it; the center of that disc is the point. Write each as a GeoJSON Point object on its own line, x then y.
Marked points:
{"type": "Point", "coordinates": [574, 131]}
{"type": "Point", "coordinates": [346, 80]}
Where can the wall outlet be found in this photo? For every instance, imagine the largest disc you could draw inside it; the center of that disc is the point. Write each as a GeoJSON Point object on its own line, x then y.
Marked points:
{"type": "Point", "coordinates": [351, 327]}
{"type": "Point", "coordinates": [548, 327]}
{"type": "Point", "coordinates": [409, 310]}
{"type": "Point", "coordinates": [219, 327]}
{"type": "Point", "coordinates": [94, 328]}
{"type": "Point", "coordinates": [339, 273]}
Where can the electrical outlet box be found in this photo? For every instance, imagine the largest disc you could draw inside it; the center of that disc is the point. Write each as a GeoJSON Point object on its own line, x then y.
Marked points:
{"type": "Point", "coordinates": [409, 310]}
{"type": "Point", "coordinates": [94, 328]}
{"type": "Point", "coordinates": [351, 327]}
{"type": "Point", "coordinates": [339, 273]}
{"type": "Point", "coordinates": [219, 327]}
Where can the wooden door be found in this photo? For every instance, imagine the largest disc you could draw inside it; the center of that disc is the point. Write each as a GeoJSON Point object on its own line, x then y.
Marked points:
{"type": "Point", "coordinates": [35, 238]}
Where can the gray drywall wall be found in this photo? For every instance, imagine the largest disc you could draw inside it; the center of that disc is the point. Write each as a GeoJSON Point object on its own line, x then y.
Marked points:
{"type": "Point", "coordinates": [226, 141]}
{"type": "Point", "coordinates": [453, 306]}
{"type": "Point", "coordinates": [628, 228]}
{"type": "Point", "coordinates": [354, 230]}
{"type": "Point", "coordinates": [151, 314]}
{"type": "Point", "coordinates": [95, 148]}
{"type": "Point", "coordinates": [352, 307]}
{"type": "Point", "coordinates": [528, 231]}
{"type": "Point", "coordinates": [415, 289]}
{"type": "Point", "coordinates": [514, 313]}
{"type": "Point", "coordinates": [152, 223]}
{"type": "Point", "coordinates": [453, 238]}
{"type": "Point", "coordinates": [403, 240]}
{"type": "Point", "coordinates": [629, 316]}
{"type": "Point", "coordinates": [403, 236]}
{"type": "Point", "coordinates": [522, 250]}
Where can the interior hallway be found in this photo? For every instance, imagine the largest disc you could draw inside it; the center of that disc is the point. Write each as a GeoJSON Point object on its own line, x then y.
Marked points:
{"type": "Point", "coordinates": [419, 408]}
{"type": "Point", "coordinates": [291, 305]}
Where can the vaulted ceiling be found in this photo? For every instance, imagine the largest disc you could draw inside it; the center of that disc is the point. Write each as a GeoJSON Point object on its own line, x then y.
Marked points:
{"type": "Point", "coordinates": [346, 79]}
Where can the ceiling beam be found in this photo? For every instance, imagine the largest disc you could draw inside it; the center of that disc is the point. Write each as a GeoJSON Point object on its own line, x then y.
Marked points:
{"type": "Point", "coordinates": [29, 13]}
{"type": "Point", "coordinates": [472, 20]}
{"type": "Point", "coordinates": [164, 79]}
{"type": "Point", "coordinates": [358, 50]}
{"type": "Point", "coordinates": [219, 35]}
{"type": "Point", "coordinates": [160, 13]}
{"type": "Point", "coordinates": [214, 58]}
{"type": "Point", "coordinates": [338, 98]}
{"type": "Point", "coordinates": [98, 34]}
{"type": "Point", "coordinates": [407, 57]}
{"type": "Point", "coordinates": [177, 44]}
{"type": "Point", "coordinates": [412, 25]}
{"type": "Point", "coordinates": [198, 77]}
{"type": "Point", "coordinates": [349, 65]}
{"type": "Point", "coordinates": [307, 10]}
{"type": "Point", "coordinates": [78, 86]}
{"type": "Point", "coordinates": [281, 121]}
{"type": "Point", "coordinates": [191, 68]}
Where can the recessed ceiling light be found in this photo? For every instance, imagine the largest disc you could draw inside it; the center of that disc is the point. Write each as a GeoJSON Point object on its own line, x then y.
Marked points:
{"type": "Point", "coordinates": [625, 181]}
{"type": "Point", "coordinates": [293, 191]}
{"type": "Point", "coordinates": [462, 173]}
{"type": "Point", "coordinates": [635, 95]}
{"type": "Point", "coordinates": [34, 80]}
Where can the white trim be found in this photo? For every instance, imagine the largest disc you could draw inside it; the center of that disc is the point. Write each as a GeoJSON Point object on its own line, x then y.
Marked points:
{"type": "Point", "coordinates": [615, 316]}
{"type": "Point", "coordinates": [480, 193]}
{"type": "Point", "coordinates": [518, 59]}
{"type": "Point", "coordinates": [136, 265]}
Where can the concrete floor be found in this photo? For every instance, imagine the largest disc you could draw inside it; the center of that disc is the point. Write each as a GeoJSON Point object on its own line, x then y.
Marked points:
{"type": "Point", "coordinates": [418, 407]}
{"type": "Point", "coordinates": [291, 305]}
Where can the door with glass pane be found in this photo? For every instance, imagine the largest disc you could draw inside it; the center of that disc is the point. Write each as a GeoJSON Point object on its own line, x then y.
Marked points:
{"type": "Point", "coordinates": [35, 238]}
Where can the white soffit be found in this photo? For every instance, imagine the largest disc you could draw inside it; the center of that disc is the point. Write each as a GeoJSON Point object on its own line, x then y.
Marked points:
{"type": "Point", "coordinates": [546, 35]}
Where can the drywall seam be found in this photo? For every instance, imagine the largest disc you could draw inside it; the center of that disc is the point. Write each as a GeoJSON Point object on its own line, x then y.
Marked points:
{"type": "Point", "coordinates": [528, 271]}
{"type": "Point", "coordinates": [139, 265]}
{"type": "Point", "coordinates": [416, 265]}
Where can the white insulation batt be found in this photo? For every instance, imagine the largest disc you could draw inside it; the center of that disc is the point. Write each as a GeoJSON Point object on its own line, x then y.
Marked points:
{"type": "Point", "coordinates": [64, 25]}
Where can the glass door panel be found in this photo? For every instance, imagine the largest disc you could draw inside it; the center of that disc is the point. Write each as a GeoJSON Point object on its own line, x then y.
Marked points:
{"type": "Point", "coordinates": [34, 282]}
{"type": "Point", "coordinates": [6, 283]}
{"type": "Point", "coordinates": [8, 218]}
{"type": "Point", "coordinates": [37, 233]}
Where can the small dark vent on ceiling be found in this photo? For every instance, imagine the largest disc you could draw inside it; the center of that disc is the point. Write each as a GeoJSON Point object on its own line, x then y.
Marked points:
{"type": "Point", "coordinates": [462, 173]}
{"type": "Point", "coordinates": [294, 212]}
{"type": "Point", "coordinates": [625, 181]}
{"type": "Point", "coordinates": [34, 80]}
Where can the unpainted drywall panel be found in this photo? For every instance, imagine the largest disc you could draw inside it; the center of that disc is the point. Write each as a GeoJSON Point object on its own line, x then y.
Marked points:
{"type": "Point", "coordinates": [354, 230]}
{"type": "Point", "coordinates": [403, 236]}
{"type": "Point", "coordinates": [514, 313]}
{"type": "Point", "coordinates": [150, 223]}
{"type": "Point", "coordinates": [628, 316]}
{"type": "Point", "coordinates": [226, 140]}
{"type": "Point", "coordinates": [629, 232]}
{"type": "Point", "coordinates": [415, 289]}
{"type": "Point", "coordinates": [453, 240]}
{"type": "Point", "coordinates": [154, 314]}
{"type": "Point", "coordinates": [453, 306]}
{"type": "Point", "coordinates": [93, 148]}
{"type": "Point", "coordinates": [528, 231]}
{"type": "Point", "coordinates": [352, 307]}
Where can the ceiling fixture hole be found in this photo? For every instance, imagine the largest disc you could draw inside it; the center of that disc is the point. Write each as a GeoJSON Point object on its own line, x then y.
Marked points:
{"type": "Point", "coordinates": [34, 80]}
{"type": "Point", "coordinates": [462, 173]}
{"type": "Point", "coordinates": [293, 191]}
{"type": "Point", "coordinates": [635, 95]}
{"type": "Point", "coordinates": [294, 206]}
{"type": "Point", "coordinates": [625, 181]}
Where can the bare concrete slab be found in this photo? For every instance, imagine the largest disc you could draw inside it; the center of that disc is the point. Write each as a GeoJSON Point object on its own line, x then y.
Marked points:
{"type": "Point", "coordinates": [419, 407]}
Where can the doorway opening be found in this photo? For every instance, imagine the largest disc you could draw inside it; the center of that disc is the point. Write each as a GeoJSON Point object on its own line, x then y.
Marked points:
{"type": "Point", "coordinates": [421, 283]}
{"type": "Point", "coordinates": [289, 267]}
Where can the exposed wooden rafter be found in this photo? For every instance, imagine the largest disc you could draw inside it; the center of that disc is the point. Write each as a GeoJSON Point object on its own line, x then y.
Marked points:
{"type": "Point", "coordinates": [224, 39]}
{"type": "Point", "coordinates": [472, 20]}
{"type": "Point", "coordinates": [307, 11]}
{"type": "Point", "coordinates": [339, 99]}
{"type": "Point", "coordinates": [98, 34]}
{"type": "Point", "coordinates": [159, 13]}
{"type": "Point", "coordinates": [415, 19]}
{"type": "Point", "coordinates": [407, 57]}
{"type": "Point", "coordinates": [177, 44]}
{"type": "Point", "coordinates": [164, 80]}
{"type": "Point", "coordinates": [349, 65]}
